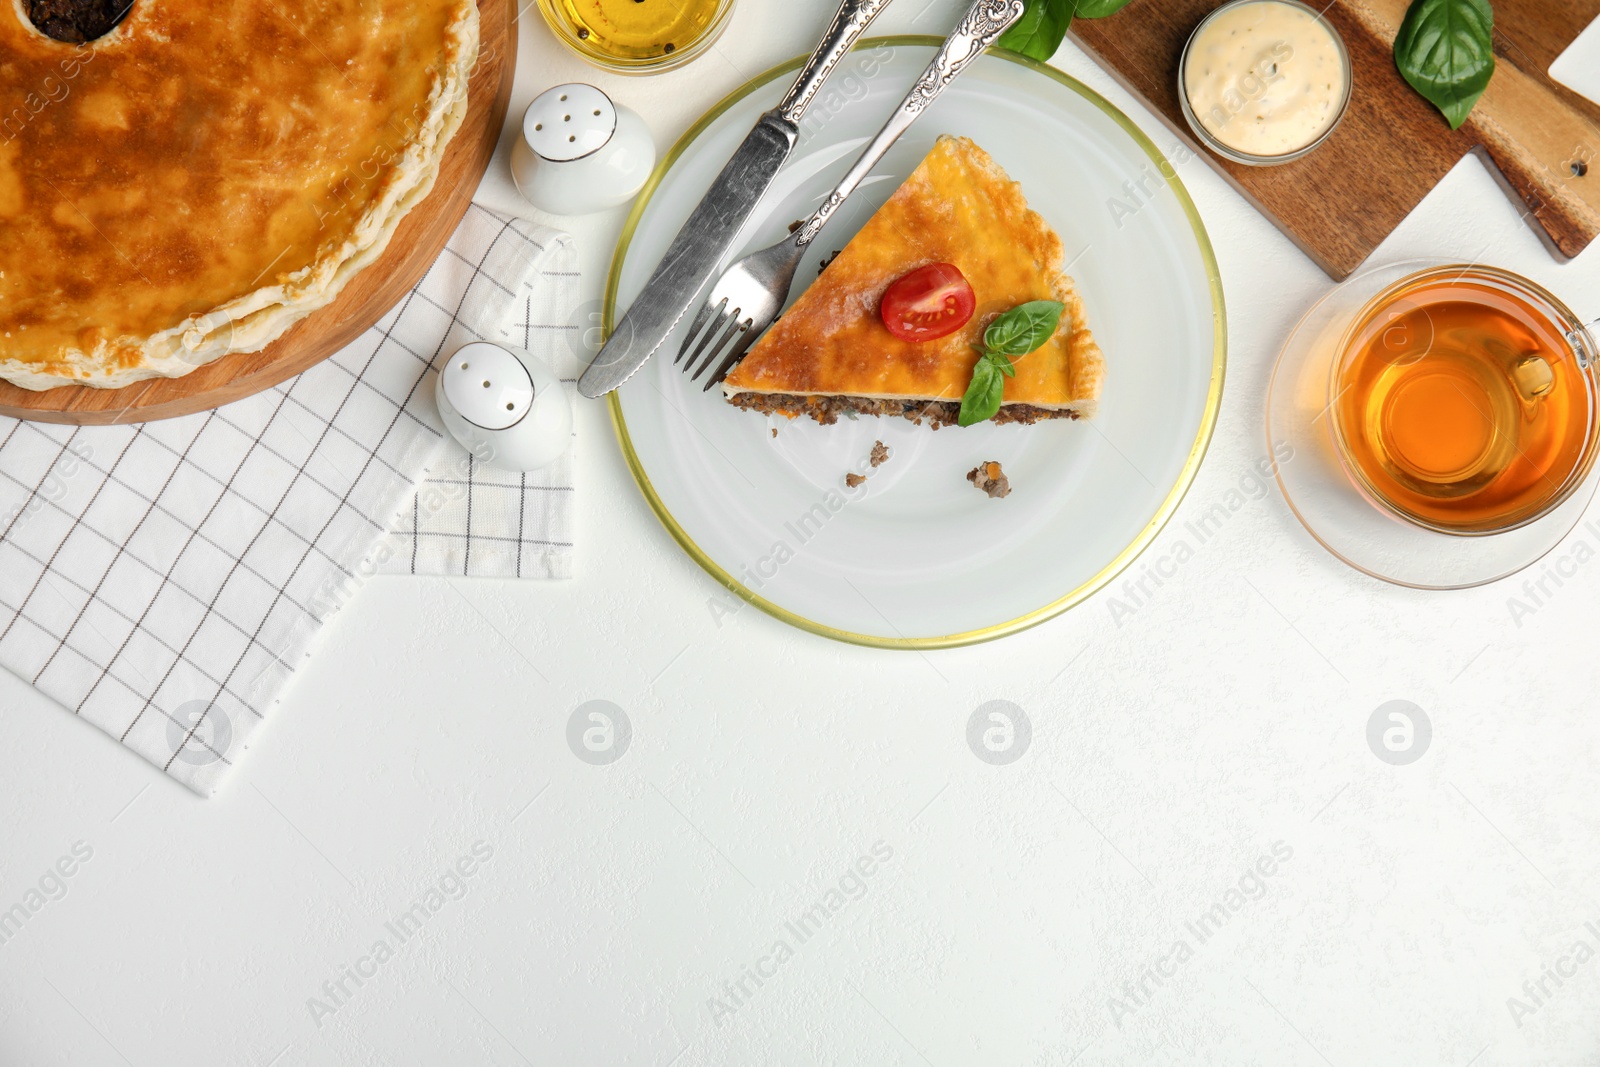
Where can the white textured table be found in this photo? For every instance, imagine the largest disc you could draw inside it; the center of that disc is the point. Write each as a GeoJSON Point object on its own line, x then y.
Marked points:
{"type": "Point", "coordinates": [1101, 900]}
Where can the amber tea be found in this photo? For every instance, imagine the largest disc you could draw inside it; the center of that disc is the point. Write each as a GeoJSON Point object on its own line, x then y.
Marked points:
{"type": "Point", "coordinates": [1461, 401]}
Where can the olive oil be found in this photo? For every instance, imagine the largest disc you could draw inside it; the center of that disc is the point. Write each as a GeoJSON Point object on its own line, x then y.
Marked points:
{"type": "Point", "coordinates": [1461, 402]}
{"type": "Point", "coordinates": [636, 30]}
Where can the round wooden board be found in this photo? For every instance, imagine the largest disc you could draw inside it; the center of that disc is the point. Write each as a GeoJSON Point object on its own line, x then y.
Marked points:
{"type": "Point", "coordinates": [420, 238]}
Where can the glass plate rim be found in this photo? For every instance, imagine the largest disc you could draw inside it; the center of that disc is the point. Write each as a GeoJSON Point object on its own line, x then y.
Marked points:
{"type": "Point", "coordinates": [1084, 590]}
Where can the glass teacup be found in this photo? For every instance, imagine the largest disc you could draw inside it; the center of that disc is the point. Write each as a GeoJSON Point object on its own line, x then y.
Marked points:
{"type": "Point", "coordinates": [1437, 424]}
{"type": "Point", "coordinates": [1464, 399]}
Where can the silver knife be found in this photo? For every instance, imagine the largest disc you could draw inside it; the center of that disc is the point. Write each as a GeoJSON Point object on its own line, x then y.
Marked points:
{"type": "Point", "coordinates": [698, 249]}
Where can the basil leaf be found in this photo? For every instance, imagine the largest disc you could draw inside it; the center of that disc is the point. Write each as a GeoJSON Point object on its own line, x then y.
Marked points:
{"type": "Point", "coordinates": [1099, 9]}
{"type": "Point", "coordinates": [1016, 333]}
{"type": "Point", "coordinates": [1024, 328]}
{"type": "Point", "coordinates": [1040, 30]}
{"type": "Point", "coordinates": [983, 395]}
{"type": "Point", "coordinates": [1044, 24]}
{"type": "Point", "coordinates": [1445, 49]}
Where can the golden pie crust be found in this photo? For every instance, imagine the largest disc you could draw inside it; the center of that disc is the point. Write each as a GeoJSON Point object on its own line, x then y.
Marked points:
{"type": "Point", "coordinates": [208, 174]}
{"type": "Point", "coordinates": [957, 207]}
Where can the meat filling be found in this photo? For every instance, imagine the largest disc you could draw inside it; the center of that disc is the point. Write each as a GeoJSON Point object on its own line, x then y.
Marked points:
{"type": "Point", "coordinates": [937, 413]}
{"type": "Point", "coordinates": [76, 21]}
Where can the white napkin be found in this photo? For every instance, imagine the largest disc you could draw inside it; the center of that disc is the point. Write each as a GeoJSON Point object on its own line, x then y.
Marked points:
{"type": "Point", "coordinates": [473, 520]}
{"type": "Point", "coordinates": [166, 580]}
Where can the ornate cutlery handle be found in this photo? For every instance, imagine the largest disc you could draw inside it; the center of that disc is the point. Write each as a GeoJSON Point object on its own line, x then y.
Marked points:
{"type": "Point", "coordinates": [980, 27]}
{"type": "Point", "coordinates": [848, 25]}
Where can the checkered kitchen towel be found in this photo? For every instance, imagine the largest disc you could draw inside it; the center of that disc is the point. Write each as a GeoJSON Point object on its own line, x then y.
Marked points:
{"type": "Point", "coordinates": [165, 581]}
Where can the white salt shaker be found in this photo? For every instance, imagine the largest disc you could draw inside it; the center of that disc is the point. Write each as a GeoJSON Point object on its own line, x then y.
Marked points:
{"type": "Point", "coordinates": [580, 153]}
{"type": "Point", "coordinates": [504, 406]}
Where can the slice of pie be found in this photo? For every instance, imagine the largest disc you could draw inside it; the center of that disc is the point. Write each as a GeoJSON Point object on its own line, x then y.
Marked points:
{"type": "Point", "coordinates": [830, 353]}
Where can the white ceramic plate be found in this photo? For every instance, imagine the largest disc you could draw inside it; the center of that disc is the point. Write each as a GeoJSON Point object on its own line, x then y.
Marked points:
{"type": "Point", "coordinates": [917, 557]}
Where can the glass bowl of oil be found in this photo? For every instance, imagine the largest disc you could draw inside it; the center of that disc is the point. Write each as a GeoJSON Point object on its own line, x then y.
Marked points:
{"type": "Point", "coordinates": [637, 36]}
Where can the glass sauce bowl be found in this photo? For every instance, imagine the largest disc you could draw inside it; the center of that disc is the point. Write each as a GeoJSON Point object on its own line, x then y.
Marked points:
{"type": "Point", "coordinates": [1246, 86]}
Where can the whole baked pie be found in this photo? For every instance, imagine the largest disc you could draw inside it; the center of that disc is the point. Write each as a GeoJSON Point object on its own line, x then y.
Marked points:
{"type": "Point", "coordinates": [206, 175]}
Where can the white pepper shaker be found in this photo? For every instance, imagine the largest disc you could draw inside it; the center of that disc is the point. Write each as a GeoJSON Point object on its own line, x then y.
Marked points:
{"type": "Point", "coordinates": [504, 406]}
{"type": "Point", "coordinates": [580, 152]}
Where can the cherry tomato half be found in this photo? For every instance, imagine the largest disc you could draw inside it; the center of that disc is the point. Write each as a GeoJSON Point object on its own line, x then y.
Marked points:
{"type": "Point", "coordinates": [929, 303]}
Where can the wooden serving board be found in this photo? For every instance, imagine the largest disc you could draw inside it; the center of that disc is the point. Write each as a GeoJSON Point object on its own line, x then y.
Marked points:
{"type": "Point", "coordinates": [1342, 200]}
{"type": "Point", "coordinates": [417, 242]}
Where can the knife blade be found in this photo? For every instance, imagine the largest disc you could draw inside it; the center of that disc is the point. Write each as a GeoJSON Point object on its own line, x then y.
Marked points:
{"type": "Point", "coordinates": [694, 256]}
{"type": "Point", "coordinates": [698, 250]}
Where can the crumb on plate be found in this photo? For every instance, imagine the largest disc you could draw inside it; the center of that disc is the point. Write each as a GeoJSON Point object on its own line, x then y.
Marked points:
{"type": "Point", "coordinates": [990, 478]}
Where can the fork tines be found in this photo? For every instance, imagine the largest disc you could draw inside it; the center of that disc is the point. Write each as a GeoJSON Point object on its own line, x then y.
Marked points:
{"type": "Point", "coordinates": [721, 331]}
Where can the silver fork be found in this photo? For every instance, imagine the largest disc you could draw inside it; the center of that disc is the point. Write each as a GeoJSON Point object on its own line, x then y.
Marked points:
{"type": "Point", "coordinates": [749, 295]}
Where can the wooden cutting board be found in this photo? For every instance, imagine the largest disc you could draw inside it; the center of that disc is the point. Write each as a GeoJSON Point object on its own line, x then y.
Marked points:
{"type": "Point", "coordinates": [417, 242]}
{"type": "Point", "coordinates": [1342, 200]}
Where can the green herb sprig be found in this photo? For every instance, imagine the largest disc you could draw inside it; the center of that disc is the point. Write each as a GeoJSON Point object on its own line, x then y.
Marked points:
{"type": "Point", "coordinates": [1445, 49]}
{"type": "Point", "coordinates": [1044, 24]}
{"type": "Point", "coordinates": [1023, 329]}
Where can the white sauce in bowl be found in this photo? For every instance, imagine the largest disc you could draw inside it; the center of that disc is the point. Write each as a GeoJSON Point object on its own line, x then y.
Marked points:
{"type": "Point", "coordinates": [1265, 78]}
